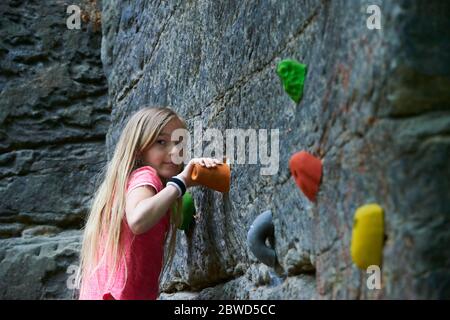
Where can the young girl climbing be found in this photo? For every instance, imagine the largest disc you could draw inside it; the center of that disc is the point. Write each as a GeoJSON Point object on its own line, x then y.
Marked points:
{"type": "Point", "coordinates": [122, 252]}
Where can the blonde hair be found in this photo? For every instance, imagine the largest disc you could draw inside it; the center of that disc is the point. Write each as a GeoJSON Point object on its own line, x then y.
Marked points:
{"type": "Point", "coordinates": [108, 206]}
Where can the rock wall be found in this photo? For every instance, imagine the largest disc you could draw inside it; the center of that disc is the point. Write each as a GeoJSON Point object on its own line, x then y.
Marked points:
{"type": "Point", "coordinates": [375, 109]}
{"type": "Point", "coordinates": [54, 116]}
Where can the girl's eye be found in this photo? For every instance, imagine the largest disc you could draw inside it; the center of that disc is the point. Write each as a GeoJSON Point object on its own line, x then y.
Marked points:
{"type": "Point", "coordinates": [161, 142]}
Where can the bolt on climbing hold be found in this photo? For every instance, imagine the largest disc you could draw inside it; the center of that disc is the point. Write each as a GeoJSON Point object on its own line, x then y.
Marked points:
{"type": "Point", "coordinates": [216, 178]}
{"type": "Point", "coordinates": [307, 172]}
{"type": "Point", "coordinates": [187, 211]}
{"type": "Point", "coordinates": [260, 230]}
{"type": "Point", "coordinates": [367, 236]}
{"type": "Point", "coordinates": [292, 75]}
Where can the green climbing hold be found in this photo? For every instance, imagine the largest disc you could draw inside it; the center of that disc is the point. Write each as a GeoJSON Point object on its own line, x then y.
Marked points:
{"type": "Point", "coordinates": [292, 75]}
{"type": "Point", "coordinates": [187, 212]}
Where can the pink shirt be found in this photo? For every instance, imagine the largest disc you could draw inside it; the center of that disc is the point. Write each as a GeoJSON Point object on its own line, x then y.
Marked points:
{"type": "Point", "coordinates": [138, 274]}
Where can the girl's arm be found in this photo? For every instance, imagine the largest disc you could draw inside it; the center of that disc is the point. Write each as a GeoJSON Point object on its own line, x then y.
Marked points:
{"type": "Point", "coordinates": [149, 207]}
{"type": "Point", "coordinates": [145, 207]}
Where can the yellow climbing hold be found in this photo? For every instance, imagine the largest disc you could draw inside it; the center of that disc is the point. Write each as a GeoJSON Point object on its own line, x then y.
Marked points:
{"type": "Point", "coordinates": [367, 236]}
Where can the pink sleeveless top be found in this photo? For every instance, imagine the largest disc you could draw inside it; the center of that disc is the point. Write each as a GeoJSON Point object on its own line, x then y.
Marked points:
{"type": "Point", "coordinates": [138, 274]}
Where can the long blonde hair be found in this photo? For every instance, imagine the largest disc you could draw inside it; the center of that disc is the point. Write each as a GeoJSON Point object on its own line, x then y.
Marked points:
{"type": "Point", "coordinates": [108, 207]}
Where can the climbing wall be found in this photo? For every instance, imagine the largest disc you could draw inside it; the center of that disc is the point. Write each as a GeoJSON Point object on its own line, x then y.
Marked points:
{"type": "Point", "coordinates": [374, 113]}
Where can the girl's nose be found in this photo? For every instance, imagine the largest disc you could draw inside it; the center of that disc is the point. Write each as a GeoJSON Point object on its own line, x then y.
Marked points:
{"type": "Point", "coordinates": [173, 149]}
{"type": "Point", "coordinates": [176, 151]}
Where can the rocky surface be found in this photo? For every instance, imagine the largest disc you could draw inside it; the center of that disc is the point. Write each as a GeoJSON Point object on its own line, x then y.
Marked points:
{"type": "Point", "coordinates": [54, 116]}
{"type": "Point", "coordinates": [375, 109]}
{"type": "Point", "coordinates": [39, 267]}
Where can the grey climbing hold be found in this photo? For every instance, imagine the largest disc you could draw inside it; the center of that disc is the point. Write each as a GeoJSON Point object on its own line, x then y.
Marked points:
{"type": "Point", "coordinates": [260, 230]}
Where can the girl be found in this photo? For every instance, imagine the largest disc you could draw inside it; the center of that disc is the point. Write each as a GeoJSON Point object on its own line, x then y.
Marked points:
{"type": "Point", "coordinates": [123, 245]}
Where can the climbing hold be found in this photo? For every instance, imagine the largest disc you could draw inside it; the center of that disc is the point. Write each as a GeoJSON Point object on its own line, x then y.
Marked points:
{"type": "Point", "coordinates": [187, 211]}
{"type": "Point", "coordinates": [292, 75]}
{"type": "Point", "coordinates": [216, 178]}
{"type": "Point", "coordinates": [307, 171]}
{"type": "Point", "coordinates": [260, 230]}
{"type": "Point", "coordinates": [367, 236]}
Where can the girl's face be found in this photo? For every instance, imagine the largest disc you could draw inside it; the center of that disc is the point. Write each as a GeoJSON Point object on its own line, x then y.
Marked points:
{"type": "Point", "coordinates": [159, 155]}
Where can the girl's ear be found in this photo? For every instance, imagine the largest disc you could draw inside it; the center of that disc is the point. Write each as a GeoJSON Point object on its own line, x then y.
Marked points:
{"type": "Point", "coordinates": [138, 161]}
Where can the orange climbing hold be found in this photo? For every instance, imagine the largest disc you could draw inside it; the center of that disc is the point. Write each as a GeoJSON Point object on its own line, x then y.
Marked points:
{"type": "Point", "coordinates": [307, 172]}
{"type": "Point", "coordinates": [216, 178]}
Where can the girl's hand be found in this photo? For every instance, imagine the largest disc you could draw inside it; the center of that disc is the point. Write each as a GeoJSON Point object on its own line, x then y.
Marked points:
{"type": "Point", "coordinates": [205, 162]}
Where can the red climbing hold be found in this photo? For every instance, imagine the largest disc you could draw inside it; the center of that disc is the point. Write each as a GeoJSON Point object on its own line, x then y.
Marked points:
{"type": "Point", "coordinates": [307, 171]}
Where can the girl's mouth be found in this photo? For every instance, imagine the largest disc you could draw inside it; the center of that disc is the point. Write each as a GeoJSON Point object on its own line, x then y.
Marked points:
{"type": "Point", "coordinates": [170, 164]}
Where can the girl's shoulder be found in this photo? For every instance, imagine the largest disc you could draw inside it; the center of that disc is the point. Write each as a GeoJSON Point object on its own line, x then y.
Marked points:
{"type": "Point", "coordinates": [147, 169]}
{"type": "Point", "coordinates": [145, 175]}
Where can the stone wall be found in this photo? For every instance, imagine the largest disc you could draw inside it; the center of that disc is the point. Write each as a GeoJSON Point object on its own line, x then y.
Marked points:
{"type": "Point", "coordinates": [375, 109]}
{"type": "Point", "coordinates": [54, 116]}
